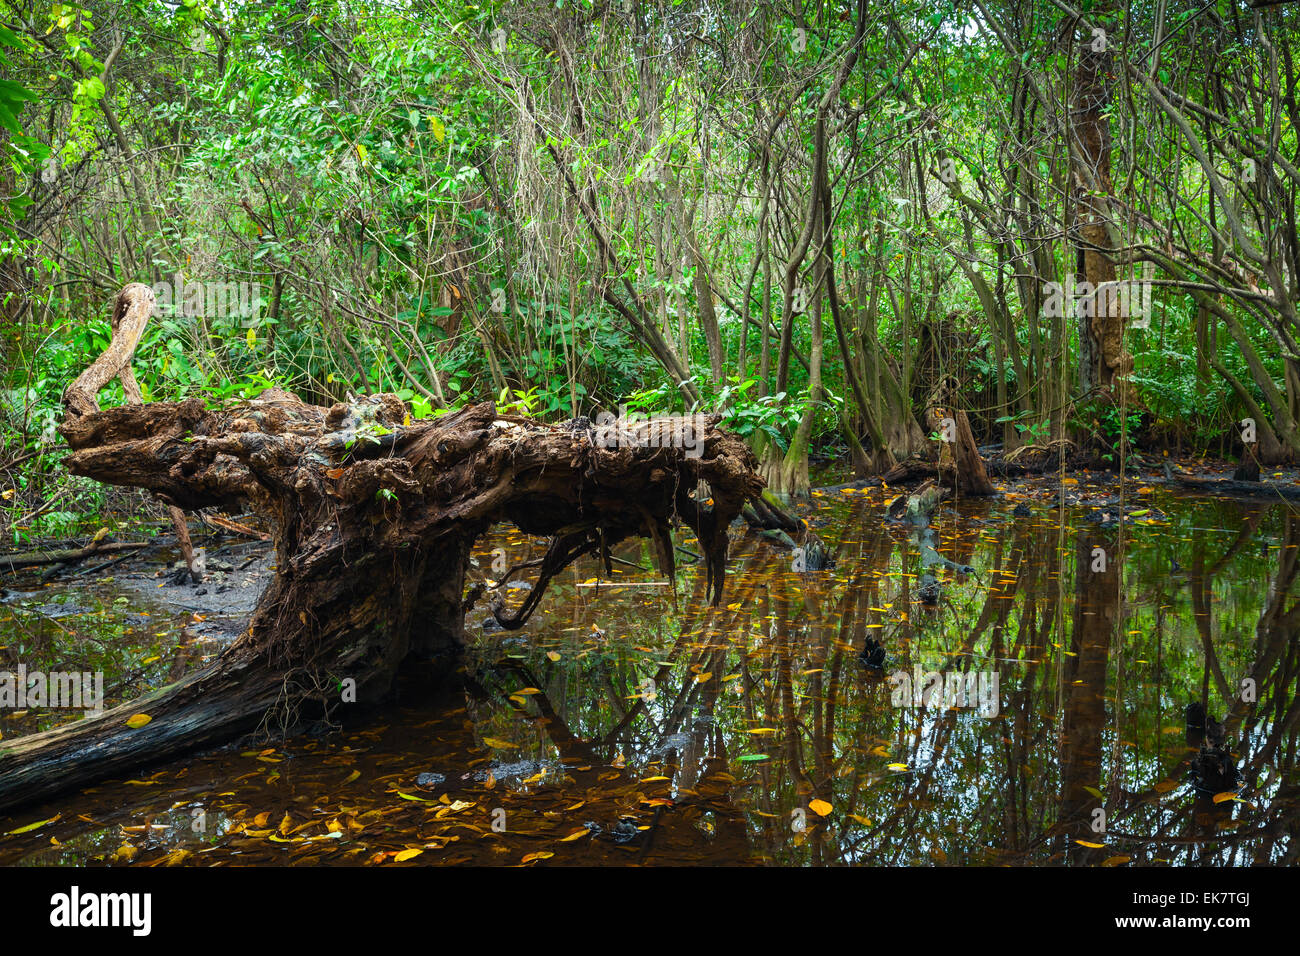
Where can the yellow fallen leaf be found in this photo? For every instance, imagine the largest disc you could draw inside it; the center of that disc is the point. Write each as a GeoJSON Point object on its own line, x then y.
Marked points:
{"type": "Point", "coordinates": [553, 655]}
{"type": "Point", "coordinates": [575, 835]}
{"type": "Point", "coordinates": [528, 690]}
{"type": "Point", "coordinates": [407, 855]}
{"type": "Point", "coordinates": [897, 766]}
{"type": "Point", "coordinates": [820, 807]}
{"type": "Point", "coordinates": [34, 826]}
{"type": "Point", "coordinates": [703, 678]}
{"type": "Point", "coordinates": [540, 855]}
{"type": "Point", "coordinates": [136, 721]}
{"type": "Point", "coordinates": [498, 744]}
{"type": "Point", "coordinates": [1225, 796]}
{"type": "Point", "coordinates": [1095, 846]}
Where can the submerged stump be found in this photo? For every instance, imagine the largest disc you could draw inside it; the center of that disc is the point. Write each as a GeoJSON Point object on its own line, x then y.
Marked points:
{"type": "Point", "coordinates": [373, 519]}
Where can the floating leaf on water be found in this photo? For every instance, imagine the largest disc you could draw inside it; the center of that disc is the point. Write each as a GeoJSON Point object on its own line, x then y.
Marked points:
{"type": "Point", "coordinates": [575, 835]}
{"type": "Point", "coordinates": [34, 826]}
{"type": "Point", "coordinates": [1226, 796]}
{"type": "Point", "coordinates": [820, 807]}
{"type": "Point", "coordinates": [750, 758]}
{"type": "Point", "coordinates": [540, 855]}
{"type": "Point", "coordinates": [1094, 846]}
{"type": "Point", "coordinates": [498, 744]}
{"type": "Point", "coordinates": [409, 854]}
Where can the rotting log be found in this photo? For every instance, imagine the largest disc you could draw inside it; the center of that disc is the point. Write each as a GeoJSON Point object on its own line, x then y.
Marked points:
{"type": "Point", "coordinates": [373, 517]}
{"type": "Point", "coordinates": [960, 463]}
{"type": "Point", "coordinates": [32, 559]}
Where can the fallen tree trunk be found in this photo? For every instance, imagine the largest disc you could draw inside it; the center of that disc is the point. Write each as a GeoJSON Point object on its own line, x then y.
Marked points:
{"type": "Point", "coordinates": [33, 559]}
{"type": "Point", "coordinates": [373, 518]}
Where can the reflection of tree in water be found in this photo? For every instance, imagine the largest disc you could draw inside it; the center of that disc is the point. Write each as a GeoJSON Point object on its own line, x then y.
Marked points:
{"type": "Point", "coordinates": [726, 733]}
{"type": "Point", "coordinates": [784, 683]}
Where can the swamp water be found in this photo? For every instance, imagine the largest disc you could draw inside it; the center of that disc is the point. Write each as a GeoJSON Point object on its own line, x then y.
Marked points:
{"type": "Point", "coordinates": [623, 727]}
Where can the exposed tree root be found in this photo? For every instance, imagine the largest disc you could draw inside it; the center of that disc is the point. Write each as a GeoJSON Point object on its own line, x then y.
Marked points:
{"type": "Point", "coordinates": [373, 518]}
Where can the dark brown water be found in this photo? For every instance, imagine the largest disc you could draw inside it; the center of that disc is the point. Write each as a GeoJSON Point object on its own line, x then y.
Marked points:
{"type": "Point", "coordinates": [620, 727]}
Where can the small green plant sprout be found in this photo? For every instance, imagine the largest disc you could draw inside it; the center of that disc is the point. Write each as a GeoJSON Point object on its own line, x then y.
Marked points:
{"type": "Point", "coordinates": [524, 403]}
{"type": "Point", "coordinates": [369, 434]}
{"type": "Point", "coordinates": [1035, 431]}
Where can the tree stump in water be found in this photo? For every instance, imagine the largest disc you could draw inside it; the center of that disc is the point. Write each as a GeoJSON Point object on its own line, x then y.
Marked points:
{"type": "Point", "coordinates": [374, 517]}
